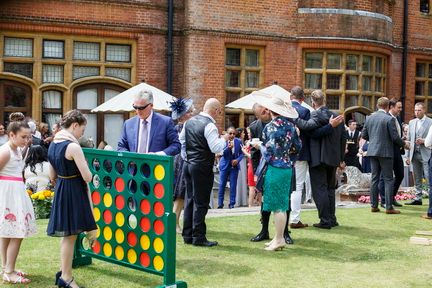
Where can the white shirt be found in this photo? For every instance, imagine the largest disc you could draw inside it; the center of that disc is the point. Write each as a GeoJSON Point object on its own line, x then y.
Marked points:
{"type": "Point", "coordinates": [211, 134]}
{"type": "Point", "coordinates": [149, 119]}
{"type": "Point", "coordinates": [398, 128]}
{"type": "Point", "coordinates": [428, 139]}
{"type": "Point", "coordinates": [419, 123]}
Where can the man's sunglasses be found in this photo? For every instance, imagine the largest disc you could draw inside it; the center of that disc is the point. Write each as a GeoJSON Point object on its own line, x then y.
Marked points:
{"type": "Point", "coordinates": [141, 107]}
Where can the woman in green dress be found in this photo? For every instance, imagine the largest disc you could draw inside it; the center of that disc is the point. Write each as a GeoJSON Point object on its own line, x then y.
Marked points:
{"type": "Point", "coordinates": [280, 147]}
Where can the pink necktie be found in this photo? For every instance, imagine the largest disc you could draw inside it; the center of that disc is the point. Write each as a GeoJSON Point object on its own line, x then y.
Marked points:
{"type": "Point", "coordinates": [143, 132]}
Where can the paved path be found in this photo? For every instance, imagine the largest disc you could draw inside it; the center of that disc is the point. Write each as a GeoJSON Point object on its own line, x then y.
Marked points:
{"type": "Point", "coordinates": [240, 211]}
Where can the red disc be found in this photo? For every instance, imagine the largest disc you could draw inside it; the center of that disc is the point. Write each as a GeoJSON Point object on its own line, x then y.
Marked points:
{"type": "Point", "coordinates": [158, 209]}
{"type": "Point", "coordinates": [132, 239]}
{"type": "Point", "coordinates": [145, 224]}
{"type": "Point", "coordinates": [158, 227]}
{"type": "Point", "coordinates": [96, 198]}
{"type": "Point", "coordinates": [96, 247]}
{"type": "Point", "coordinates": [145, 206]}
{"type": "Point", "coordinates": [119, 184]}
{"type": "Point", "coordinates": [107, 217]}
{"type": "Point", "coordinates": [159, 190]}
{"type": "Point", "coordinates": [119, 202]}
{"type": "Point", "coordinates": [145, 259]}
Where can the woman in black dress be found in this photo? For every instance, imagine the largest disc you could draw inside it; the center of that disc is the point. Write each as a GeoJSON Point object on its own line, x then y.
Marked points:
{"type": "Point", "coordinates": [71, 211]}
{"type": "Point", "coordinates": [182, 110]}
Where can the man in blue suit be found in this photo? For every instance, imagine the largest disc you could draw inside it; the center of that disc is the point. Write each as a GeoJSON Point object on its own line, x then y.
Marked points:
{"type": "Point", "coordinates": [148, 132]}
{"type": "Point", "coordinates": [228, 167]}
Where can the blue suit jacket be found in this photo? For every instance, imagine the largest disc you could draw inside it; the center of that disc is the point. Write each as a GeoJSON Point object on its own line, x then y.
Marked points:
{"type": "Point", "coordinates": [163, 136]}
{"type": "Point", "coordinates": [228, 156]}
{"type": "Point", "coordinates": [304, 113]}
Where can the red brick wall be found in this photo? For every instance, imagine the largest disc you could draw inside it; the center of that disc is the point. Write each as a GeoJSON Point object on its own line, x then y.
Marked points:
{"type": "Point", "coordinates": [203, 28]}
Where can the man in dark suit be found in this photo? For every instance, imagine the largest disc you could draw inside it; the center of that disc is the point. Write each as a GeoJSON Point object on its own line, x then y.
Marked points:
{"type": "Point", "coordinates": [352, 136]}
{"type": "Point", "coordinates": [326, 155]}
{"type": "Point", "coordinates": [229, 167]}
{"type": "Point", "coordinates": [395, 107]}
{"type": "Point", "coordinates": [380, 130]}
{"type": "Point", "coordinates": [148, 132]}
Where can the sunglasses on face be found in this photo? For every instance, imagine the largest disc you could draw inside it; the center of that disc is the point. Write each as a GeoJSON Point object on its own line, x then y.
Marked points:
{"type": "Point", "coordinates": [141, 107]}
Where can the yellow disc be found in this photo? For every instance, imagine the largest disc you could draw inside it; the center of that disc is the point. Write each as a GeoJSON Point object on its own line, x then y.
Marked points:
{"type": "Point", "coordinates": [119, 253]}
{"type": "Point", "coordinates": [120, 219]}
{"type": "Point", "coordinates": [96, 214]}
{"type": "Point", "coordinates": [107, 200]}
{"type": "Point", "coordinates": [98, 231]}
{"type": "Point", "coordinates": [119, 236]}
{"type": "Point", "coordinates": [158, 263]}
{"type": "Point", "coordinates": [107, 249]}
{"type": "Point", "coordinates": [132, 256]}
{"type": "Point", "coordinates": [145, 242]}
{"type": "Point", "coordinates": [107, 233]}
{"type": "Point", "coordinates": [159, 172]}
{"type": "Point", "coordinates": [158, 245]}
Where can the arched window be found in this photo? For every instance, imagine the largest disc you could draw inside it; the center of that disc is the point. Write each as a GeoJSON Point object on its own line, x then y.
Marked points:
{"type": "Point", "coordinates": [51, 107]}
{"type": "Point", "coordinates": [14, 97]}
{"type": "Point", "coordinates": [100, 126]}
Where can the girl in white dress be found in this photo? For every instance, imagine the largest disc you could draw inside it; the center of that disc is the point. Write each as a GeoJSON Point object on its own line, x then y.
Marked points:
{"type": "Point", "coordinates": [17, 219]}
{"type": "Point", "coordinates": [36, 169]}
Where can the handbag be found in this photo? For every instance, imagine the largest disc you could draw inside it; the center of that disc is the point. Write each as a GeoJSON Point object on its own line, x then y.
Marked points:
{"type": "Point", "coordinates": [260, 180]}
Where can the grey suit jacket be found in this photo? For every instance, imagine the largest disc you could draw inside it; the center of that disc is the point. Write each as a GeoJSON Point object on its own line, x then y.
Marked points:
{"type": "Point", "coordinates": [380, 130]}
{"type": "Point", "coordinates": [425, 152]}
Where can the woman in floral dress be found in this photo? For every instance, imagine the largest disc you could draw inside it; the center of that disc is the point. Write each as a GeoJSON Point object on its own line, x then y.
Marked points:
{"type": "Point", "coordinates": [280, 146]}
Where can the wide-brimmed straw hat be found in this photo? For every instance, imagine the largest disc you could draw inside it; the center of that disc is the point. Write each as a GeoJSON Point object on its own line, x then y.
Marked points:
{"type": "Point", "coordinates": [179, 107]}
{"type": "Point", "coordinates": [276, 103]}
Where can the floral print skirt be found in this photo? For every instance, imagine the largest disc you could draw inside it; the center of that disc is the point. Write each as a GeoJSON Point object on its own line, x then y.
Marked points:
{"type": "Point", "coordinates": [17, 218]}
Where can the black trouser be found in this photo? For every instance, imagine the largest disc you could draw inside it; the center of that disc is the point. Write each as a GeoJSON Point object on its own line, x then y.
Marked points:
{"type": "Point", "coordinates": [199, 184]}
{"type": "Point", "coordinates": [398, 169]}
{"type": "Point", "coordinates": [323, 182]}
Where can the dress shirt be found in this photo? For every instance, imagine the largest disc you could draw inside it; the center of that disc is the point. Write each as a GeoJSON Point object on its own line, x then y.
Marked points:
{"type": "Point", "coordinates": [148, 119]}
{"type": "Point", "coordinates": [211, 133]}
{"type": "Point", "coordinates": [419, 123]}
{"type": "Point", "coordinates": [397, 124]}
{"type": "Point", "coordinates": [428, 139]}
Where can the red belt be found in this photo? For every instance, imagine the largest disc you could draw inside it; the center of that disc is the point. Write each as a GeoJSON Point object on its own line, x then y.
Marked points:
{"type": "Point", "coordinates": [11, 178]}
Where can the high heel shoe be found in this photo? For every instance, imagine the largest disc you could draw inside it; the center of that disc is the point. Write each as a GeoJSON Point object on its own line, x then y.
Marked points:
{"type": "Point", "coordinates": [277, 247]}
{"type": "Point", "coordinates": [57, 276]}
{"type": "Point", "coordinates": [267, 244]}
{"type": "Point", "coordinates": [64, 284]}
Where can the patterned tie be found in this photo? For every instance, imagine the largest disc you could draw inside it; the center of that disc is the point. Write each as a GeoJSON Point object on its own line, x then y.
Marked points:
{"type": "Point", "coordinates": [142, 147]}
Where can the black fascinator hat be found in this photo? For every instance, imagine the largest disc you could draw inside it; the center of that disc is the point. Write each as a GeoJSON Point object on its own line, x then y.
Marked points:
{"type": "Point", "coordinates": [179, 107]}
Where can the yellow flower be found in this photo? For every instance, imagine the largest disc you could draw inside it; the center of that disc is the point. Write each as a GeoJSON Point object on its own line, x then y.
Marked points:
{"type": "Point", "coordinates": [29, 192]}
{"type": "Point", "coordinates": [34, 196]}
{"type": "Point", "coordinates": [424, 180]}
{"type": "Point", "coordinates": [41, 197]}
{"type": "Point", "coordinates": [47, 193]}
{"type": "Point", "coordinates": [52, 194]}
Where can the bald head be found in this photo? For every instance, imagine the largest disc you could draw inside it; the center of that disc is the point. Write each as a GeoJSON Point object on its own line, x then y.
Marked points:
{"type": "Point", "coordinates": [212, 107]}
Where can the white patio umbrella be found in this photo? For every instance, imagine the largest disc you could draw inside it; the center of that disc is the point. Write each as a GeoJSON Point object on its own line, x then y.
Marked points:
{"type": "Point", "coordinates": [247, 102]}
{"type": "Point", "coordinates": [123, 101]}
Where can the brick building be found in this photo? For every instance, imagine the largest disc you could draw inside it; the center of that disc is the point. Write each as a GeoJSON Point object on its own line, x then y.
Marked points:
{"type": "Point", "coordinates": [58, 55]}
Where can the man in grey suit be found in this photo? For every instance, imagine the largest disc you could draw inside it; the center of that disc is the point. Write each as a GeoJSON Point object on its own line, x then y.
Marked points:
{"type": "Point", "coordinates": [380, 130]}
{"type": "Point", "coordinates": [418, 154]}
{"type": "Point", "coordinates": [327, 152]}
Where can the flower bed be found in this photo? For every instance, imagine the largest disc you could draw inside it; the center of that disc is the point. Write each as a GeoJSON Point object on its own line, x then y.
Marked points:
{"type": "Point", "coordinates": [42, 201]}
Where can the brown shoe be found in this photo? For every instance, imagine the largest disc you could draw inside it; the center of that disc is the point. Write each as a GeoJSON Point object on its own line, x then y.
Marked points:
{"type": "Point", "coordinates": [393, 211]}
{"type": "Point", "coordinates": [426, 217]}
{"type": "Point", "coordinates": [298, 225]}
{"type": "Point", "coordinates": [373, 210]}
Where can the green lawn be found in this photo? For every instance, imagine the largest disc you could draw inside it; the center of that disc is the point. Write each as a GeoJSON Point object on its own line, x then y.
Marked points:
{"type": "Point", "coordinates": [367, 250]}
